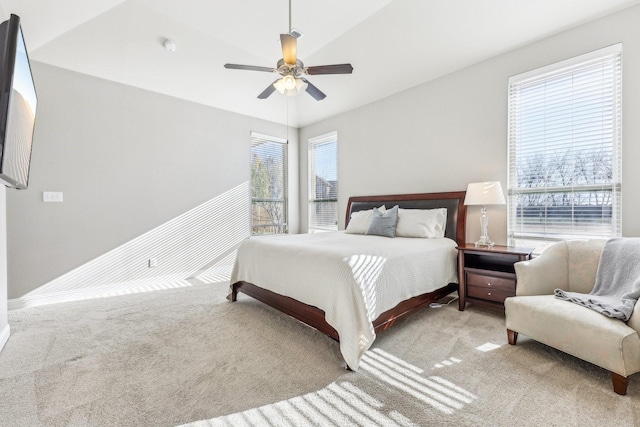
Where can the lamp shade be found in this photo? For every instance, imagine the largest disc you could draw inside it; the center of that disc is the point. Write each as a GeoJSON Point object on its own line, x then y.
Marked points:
{"type": "Point", "coordinates": [484, 193]}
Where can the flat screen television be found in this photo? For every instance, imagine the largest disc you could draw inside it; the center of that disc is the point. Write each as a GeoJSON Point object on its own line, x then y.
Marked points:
{"type": "Point", "coordinates": [18, 103]}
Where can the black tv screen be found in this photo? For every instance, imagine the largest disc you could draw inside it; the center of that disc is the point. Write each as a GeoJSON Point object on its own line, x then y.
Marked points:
{"type": "Point", "coordinates": [18, 103]}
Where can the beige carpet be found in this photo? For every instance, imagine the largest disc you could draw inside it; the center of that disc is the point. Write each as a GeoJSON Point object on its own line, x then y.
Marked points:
{"type": "Point", "coordinates": [182, 356]}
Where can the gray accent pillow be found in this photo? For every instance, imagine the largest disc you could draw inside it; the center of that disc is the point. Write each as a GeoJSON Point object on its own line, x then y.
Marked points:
{"type": "Point", "coordinates": [383, 224]}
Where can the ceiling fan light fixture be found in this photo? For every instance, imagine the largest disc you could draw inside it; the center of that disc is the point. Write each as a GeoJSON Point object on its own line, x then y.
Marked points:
{"type": "Point", "coordinates": [290, 86]}
{"type": "Point", "coordinates": [289, 82]}
{"type": "Point", "coordinates": [279, 85]}
{"type": "Point", "coordinates": [301, 85]}
{"type": "Point", "coordinates": [298, 87]}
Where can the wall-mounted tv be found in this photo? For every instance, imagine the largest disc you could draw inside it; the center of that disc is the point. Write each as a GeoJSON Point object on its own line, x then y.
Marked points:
{"type": "Point", "coordinates": [17, 106]}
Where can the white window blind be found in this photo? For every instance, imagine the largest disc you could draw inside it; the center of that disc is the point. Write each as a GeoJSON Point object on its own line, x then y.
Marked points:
{"type": "Point", "coordinates": [564, 177]}
{"type": "Point", "coordinates": [268, 184]}
{"type": "Point", "coordinates": [323, 183]}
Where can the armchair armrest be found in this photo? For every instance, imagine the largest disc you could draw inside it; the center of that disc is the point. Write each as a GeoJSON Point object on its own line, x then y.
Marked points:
{"type": "Point", "coordinates": [543, 274]}
{"type": "Point", "coordinates": [634, 320]}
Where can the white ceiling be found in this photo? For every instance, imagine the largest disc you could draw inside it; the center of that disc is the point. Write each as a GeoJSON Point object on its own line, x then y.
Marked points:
{"type": "Point", "coordinates": [392, 44]}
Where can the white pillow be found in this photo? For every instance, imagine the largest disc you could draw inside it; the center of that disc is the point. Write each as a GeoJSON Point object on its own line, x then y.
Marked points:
{"type": "Point", "coordinates": [359, 221]}
{"type": "Point", "coordinates": [429, 223]}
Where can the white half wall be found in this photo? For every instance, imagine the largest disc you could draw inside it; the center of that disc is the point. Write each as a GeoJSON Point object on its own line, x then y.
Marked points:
{"type": "Point", "coordinates": [446, 133]}
{"type": "Point", "coordinates": [4, 319]}
{"type": "Point", "coordinates": [143, 176]}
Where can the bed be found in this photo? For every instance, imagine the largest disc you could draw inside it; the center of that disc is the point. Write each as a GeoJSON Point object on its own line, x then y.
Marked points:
{"type": "Point", "coordinates": [352, 286]}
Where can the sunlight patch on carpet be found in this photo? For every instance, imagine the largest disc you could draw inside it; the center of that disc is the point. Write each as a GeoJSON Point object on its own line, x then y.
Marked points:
{"type": "Point", "coordinates": [447, 362]}
{"type": "Point", "coordinates": [489, 346]}
{"type": "Point", "coordinates": [344, 403]}
{"type": "Point", "coordinates": [338, 404]}
{"type": "Point", "coordinates": [432, 392]}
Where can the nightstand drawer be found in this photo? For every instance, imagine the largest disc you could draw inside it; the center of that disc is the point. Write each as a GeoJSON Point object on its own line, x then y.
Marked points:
{"type": "Point", "coordinates": [490, 294]}
{"type": "Point", "coordinates": [488, 281]}
{"type": "Point", "coordinates": [487, 275]}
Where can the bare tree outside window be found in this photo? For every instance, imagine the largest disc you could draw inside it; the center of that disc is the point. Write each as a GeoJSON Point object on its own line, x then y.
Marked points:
{"type": "Point", "coordinates": [545, 204]}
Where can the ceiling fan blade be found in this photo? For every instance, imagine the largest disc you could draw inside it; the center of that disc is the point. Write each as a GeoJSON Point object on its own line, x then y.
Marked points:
{"type": "Point", "coordinates": [249, 67]}
{"type": "Point", "coordinates": [289, 48]}
{"type": "Point", "coordinates": [268, 91]}
{"type": "Point", "coordinates": [314, 91]}
{"type": "Point", "coordinates": [330, 69]}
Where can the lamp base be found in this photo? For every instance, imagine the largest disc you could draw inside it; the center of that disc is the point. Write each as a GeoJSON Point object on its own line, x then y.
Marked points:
{"type": "Point", "coordinates": [485, 242]}
{"type": "Point", "coordinates": [484, 224]}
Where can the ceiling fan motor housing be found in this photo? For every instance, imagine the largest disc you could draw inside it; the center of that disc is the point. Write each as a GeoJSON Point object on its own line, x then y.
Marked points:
{"type": "Point", "coordinates": [285, 69]}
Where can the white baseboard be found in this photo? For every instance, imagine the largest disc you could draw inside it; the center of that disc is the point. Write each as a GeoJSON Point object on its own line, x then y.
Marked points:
{"type": "Point", "coordinates": [4, 336]}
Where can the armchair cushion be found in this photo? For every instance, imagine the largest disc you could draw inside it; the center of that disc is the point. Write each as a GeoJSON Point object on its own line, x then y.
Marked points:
{"type": "Point", "coordinates": [606, 342]}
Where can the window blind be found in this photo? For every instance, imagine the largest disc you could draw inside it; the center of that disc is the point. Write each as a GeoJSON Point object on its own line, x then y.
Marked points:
{"type": "Point", "coordinates": [268, 184]}
{"type": "Point", "coordinates": [564, 154]}
{"type": "Point", "coordinates": [323, 183]}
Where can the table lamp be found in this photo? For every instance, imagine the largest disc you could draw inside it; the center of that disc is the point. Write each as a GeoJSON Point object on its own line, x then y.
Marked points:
{"type": "Point", "coordinates": [484, 193]}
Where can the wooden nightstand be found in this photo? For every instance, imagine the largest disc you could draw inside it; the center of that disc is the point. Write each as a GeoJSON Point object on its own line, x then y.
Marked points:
{"type": "Point", "coordinates": [487, 275]}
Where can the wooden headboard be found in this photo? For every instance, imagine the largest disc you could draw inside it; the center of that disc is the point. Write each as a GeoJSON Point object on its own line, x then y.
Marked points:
{"type": "Point", "coordinates": [452, 201]}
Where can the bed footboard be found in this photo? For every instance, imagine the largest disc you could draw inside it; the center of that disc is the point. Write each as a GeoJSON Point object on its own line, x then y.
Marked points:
{"type": "Point", "coordinates": [410, 306]}
{"type": "Point", "coordinates": [314, 317]}
{"type": "Point", "coordinates": [305, 313]}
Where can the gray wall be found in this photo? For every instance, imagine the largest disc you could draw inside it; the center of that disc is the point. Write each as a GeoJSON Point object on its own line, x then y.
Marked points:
{"type": "Point", "coordinates": [143, 176]}
{"type": "Point", "coordinates": [441, 135]}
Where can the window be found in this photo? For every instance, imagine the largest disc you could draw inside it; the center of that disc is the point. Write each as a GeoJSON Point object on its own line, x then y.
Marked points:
{"type": "Point", "coordinates": [323, 183]}
{"type": "Point", "coordinates": [268, 184]}
{"type": "Point", "coordinates": [565, 150]}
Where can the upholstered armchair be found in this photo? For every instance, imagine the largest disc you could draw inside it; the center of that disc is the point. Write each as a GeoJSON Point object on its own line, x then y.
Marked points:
{"type": "Point", "coordinates": [572, 265]}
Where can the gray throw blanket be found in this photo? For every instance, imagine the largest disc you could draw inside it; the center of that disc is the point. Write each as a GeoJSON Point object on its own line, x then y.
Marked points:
{"type": "Point", "coordinates": [617, 286]}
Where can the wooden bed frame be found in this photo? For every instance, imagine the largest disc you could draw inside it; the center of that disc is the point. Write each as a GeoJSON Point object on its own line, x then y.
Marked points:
{"type": "Point", "coordinates": [314, 317]}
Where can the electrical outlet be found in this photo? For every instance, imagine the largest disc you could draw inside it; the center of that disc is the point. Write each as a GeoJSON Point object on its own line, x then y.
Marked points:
{"type": "Point", "coordinates": [153, 262]}
{"type": "Point", "coordinates": [52, 196]}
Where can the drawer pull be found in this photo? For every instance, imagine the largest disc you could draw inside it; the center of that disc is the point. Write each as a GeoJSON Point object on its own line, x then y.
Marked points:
{"type": "Point", "coordinates": [489, 284]}
{"type": "Point", "coordinates": [489, 294]}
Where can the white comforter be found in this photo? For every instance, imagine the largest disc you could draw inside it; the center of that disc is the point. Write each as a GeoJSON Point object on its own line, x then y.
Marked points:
{"type": "Point", "coordinates": [353, 278]}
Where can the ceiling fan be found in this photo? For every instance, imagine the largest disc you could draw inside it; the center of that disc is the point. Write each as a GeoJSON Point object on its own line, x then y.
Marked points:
{"type": "Point", "coordinates": [292, 71]}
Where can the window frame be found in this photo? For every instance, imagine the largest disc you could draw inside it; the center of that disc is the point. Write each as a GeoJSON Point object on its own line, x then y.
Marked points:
{"type": "Point", "coordinates": [610, 56]}
{"type": "Point", "coordinates": [313, 143]}
{"type": "Point", "coordinates": [281, 227]}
